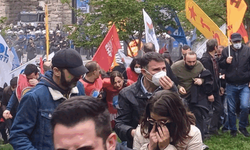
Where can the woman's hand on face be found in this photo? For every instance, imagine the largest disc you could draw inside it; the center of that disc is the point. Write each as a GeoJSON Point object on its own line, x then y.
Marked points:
{"type": "Point", "coordinates": [153, 139]}
{"type": "Point", "coordinates": [163, 137]}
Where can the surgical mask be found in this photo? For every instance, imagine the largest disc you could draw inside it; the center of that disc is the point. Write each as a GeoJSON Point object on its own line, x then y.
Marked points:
{"type": "Point", "coordinates": [137, 70]}
{"type": "Point", "coordinates": [237, 45]}
{"type": "Point", "coordinates": [156, 77]}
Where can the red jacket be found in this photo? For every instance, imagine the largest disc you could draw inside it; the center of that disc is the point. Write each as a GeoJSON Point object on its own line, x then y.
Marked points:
{"type": "Point", "coordinates": [131, 74]}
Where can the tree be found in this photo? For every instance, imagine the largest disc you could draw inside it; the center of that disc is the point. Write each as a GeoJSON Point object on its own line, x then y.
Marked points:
{"type": "Point", "coordinates": [128, 18]}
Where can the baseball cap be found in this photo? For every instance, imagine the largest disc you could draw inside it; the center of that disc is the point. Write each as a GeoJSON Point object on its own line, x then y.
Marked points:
{"type": "Point", "coordinates": [236, 37]}
{"type": "Point", "coordinates": [71, 60]}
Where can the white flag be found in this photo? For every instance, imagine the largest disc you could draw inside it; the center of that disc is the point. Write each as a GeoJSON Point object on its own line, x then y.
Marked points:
{"type": "Point", "coordinates": [6, 58]}
{"type": "Point", "coordinates": [150, 31]}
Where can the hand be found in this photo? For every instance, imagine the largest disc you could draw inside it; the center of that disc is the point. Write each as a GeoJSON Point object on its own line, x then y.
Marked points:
{"type": "Point", "coordinates": [133, 132]}
{"type": "Point", "coordinates": [152, 139]}
{"type": "Point", "coordinates": [33, 82]}
{"type": "Point", "coordinates": [222, 76]}
{"type": "Point", "coordinates": [163, 137]}
{"type": "Point", "coordinates": [222, 91]}
{"type": "Point", "coordinates": [7, 115]}
{"type": "Point", "coordinates": [197, 81]}
{"type": "Point", "coordinates": [211, 98]}
{"type": "Point", "coordinates": [182, 91]}
{"type": "Point", "coordinates": [166, 83]}
{"type": "Point", "coordinates": [229, 59]}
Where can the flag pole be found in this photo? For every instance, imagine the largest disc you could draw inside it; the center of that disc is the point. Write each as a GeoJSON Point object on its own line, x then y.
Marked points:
{"type": "Point", "coordinates": [47, 31]}
{"type": "Point", "coordinates": [228, 47]}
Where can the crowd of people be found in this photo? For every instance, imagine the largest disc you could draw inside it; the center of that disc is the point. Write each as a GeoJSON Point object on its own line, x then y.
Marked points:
{"type": "Point", "coordinates": [31, 39]}
{"type": "Point", "coordinates": [153, 104]}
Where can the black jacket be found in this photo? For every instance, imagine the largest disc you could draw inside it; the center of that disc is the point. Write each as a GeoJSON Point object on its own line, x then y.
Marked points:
{"type": "Point", "coordinates": [238, 72]}
{"type": "Point", "coordinates": [206, 61]}
{"type": "Point", "coordinates": [132, 102]}
{"type": "Point", "coordinates": [199, 94]}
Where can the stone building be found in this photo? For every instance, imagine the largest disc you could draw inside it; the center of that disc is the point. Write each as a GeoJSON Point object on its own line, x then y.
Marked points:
{"type": "Point", "coordinates": [58, 13]}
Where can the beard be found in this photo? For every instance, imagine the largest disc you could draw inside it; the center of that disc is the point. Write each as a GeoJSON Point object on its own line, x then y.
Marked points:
{"type": "Point", "coordinates": [189, 67]}
{"type": "Point", "coordinates": [68, 84]}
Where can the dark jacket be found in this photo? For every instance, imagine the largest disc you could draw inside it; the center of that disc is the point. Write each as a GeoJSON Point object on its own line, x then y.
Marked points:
{"type": "Point", "coordinates": [200, 93]}
{"type": "Point", "coordinates": [238, 72]}
{"type": "Point", "coordinates": [207, 62]}
{"type": "Point", "coordinates": [31, 128]}
{"type": "Point", "coordinates": [132, 102]}
{"type": "Point", "coordinates": [7, 93]}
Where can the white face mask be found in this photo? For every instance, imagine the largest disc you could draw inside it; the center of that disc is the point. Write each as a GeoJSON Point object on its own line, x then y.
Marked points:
{"type": "Point", "coordinates": [237, 45]}
{"type": "Point", "coordinates": [156, 77]}
{"type": "Point", "coordinates": [137, 70]}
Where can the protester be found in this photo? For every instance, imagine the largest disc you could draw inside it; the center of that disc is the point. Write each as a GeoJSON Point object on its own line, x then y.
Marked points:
{"type": "Point", "coordinates": [26, 81]}
{"type": "Point", "coordinates": [112, 86]}
{"type": "Point", "coordinates": [83, 122]}
{"type": "Point", "coordinates": [210, 62]}
{"type": "Point", "coordinates": [134, 69]}
{"type": "Point", "coordinates": [31, 127]}
{"type": "Point", "coordinates": [92, 81]}
{"type": "Point", "coordinates": [167, 57]}
{"type": "Point", "coordinates": [6, 124]}
{"type": "Point", "coordinates": [148, 47]}
{"type": "Point", "coordinates": [166, 124]}
{"type": "Point", "coordinates": [237, 74]}
{"type": "Point", "coordinates": [132, 100]}
{"type": "Point", "coordinates": [184, 50]}
{"type": "Point", "coordinates": [195, 87]}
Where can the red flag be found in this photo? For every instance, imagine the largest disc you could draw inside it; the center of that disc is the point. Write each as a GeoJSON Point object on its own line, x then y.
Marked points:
{"type": "Point", "coordinates": [105, 54]}
{"type": "Point", "coordinates": [242, 31]}
{"type": "Point", "coordinates": [41, 66]}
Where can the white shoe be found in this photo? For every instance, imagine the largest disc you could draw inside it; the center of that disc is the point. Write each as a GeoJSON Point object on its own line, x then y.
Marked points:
{"type": "Point", "coordinates": [204, 146]}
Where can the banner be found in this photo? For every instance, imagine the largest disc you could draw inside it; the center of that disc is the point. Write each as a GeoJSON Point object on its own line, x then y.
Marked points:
{"type": "Point", "coordinates": [20, 69]}
{"type": "Point", "coordinates": [203, 23]}
{"type": "Point", "coordinates": [242, 31]}
{"type": "Point", "coordinates": [6, 60]}
{"type": "Point", "coordinates": [235, 13]}
{"type": "Point", "coordinates": [203, 47]}
{"type": "Point", "coordinates": [178, 34]}
{"type": "Point", "coordinates": [16, 62]}
{"type": "Point", "coordinates": [47, 29]}
{"type": "Point", "coordinates": [150, 31]}
{"type": "Point", "coordinates": [105, 54]}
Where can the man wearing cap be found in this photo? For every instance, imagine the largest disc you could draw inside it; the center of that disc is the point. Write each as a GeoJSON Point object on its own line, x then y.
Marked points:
{"type": "Point", "coordinates": [31, 127]}
{"type": "Point", "coordinates": [237, 75]}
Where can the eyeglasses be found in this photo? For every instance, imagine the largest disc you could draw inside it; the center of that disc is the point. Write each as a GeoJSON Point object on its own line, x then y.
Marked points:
{"type": "Point", "coordinates": [152, 121]}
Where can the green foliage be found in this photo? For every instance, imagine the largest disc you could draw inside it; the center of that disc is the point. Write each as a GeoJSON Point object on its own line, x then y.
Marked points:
{"type": "Point", "coordinates": [128, 18]}
{"type": "Point", "coordinates": [2, 24]}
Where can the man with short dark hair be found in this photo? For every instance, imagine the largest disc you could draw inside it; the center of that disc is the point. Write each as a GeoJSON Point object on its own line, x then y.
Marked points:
{"type": "Point", "coordinates": [133, 99]}
{"type": "Point", "coordinates": [83, 122]}
{"type": "Point", "coordinates": [31, 127]}
{"type": "Point", "coordinates": [237, 74]}
{"type": "Point", "coordinates": [184, 50]}
{"type": "Point", "coordinates": [92, 81]}
{"type": "Point", "coordinates": [210, 62]}
{"type": "Point", "coordinates": [26, 81]}
{"type": "Point", "coordinates": [195, 86]}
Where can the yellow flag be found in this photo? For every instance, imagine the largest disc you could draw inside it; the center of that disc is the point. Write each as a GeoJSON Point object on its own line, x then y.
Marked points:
{"type": "Point", "coordinates": [235, 13]}
{"type": "Point", "coordinates": [203, 23]}
{"type": "Point", "coordinates": [47, 30]}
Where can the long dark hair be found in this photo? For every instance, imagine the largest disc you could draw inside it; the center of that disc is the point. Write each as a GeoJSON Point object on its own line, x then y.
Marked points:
{"type": "Point", "coordinates": [168, 104]}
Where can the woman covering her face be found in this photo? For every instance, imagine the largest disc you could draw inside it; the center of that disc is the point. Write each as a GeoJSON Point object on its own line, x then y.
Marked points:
{"type": "Point", "coordinates": [166, 125]}
{"type": "Point", "coordinates": [112, 86]}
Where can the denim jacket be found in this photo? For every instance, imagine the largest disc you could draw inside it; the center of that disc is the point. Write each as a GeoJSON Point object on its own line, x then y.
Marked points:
{"type": "Point", "coordinates": [31, 128]}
